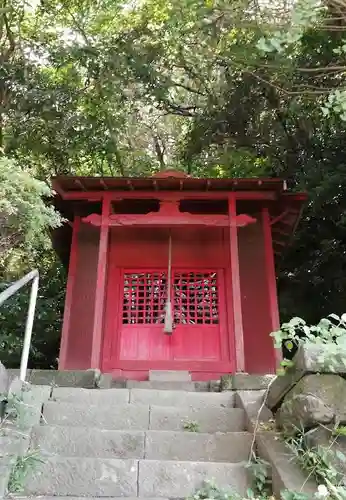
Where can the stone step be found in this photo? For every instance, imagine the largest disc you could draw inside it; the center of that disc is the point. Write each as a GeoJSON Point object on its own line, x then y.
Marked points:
{"type": "Point", "coordinates": [44, 497]}
{"type": "Point", "coordinates": [169, 376]}
{"type": "Point", "coordinates": [229, 447]}
{"type": "Point", "coordinates": [163, 386]}
{"type": "Point", "coordinates": [209, 420]}
{"type": "Point", "coordinates": [182, 398]}
{"type": "Point", "coordinates": [154, 445]}
{"type": "Point", "coordinates": [112, 416]}
{"type": "Point", "coordinates": [144, 396]}
{"type": "Point", "coordinates": [136, 417]}
{"type": "Point", "coordinates": [73, 476]}
{"type": "Point", "coordinates": [61, 378]}
{"type": "Point", "coordinates": [91, 396]}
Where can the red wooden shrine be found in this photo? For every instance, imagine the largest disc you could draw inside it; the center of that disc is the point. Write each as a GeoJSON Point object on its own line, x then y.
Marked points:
{"type": "Point", "coordinates": [225, 235]}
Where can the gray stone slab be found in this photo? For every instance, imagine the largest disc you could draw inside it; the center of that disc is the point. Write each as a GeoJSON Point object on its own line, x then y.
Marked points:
{"type": "Point", "coordinates": [4, 380]}
{"type": "Point", "coordinates": [182, 398]}
{"type": "Point", "coordinates": [65, 378]}
{"type": "Point", "coordinates": [251, 402]}
{"type": "Point", "coordinates": [307, 360]}
{"type": "Point", "coordinates": [88, 442]}
{"type": "Point", "coordinates": [182, 479]}
{"type": "Point", "coordinates": [119, 383]}
{"type": "Point", "coordinates": [91, 396]}
{"type": "Point", "coordinates": [220, 447]}
{"type": "Point", "coordinates": [32, 397]}
{"type": "Point", "coordinates": [14, 373]}
{"type": "Point", "coordinates": [281, 385]}
{"type": "Point", "coordinates": [112, 417]}
{"type": "Point", "coordinates": [66, 476]}
{"type": "Point", "coordinates": [211, 386]}
{"type": "Point", "coordinates": [13, 441]}
{"type": "Point", "coordinates": [6, 465]}
{"type": "Point", "coordinates": [247, 382]}
{"type": "Point", "coordinates": [158, 385]}
{"type": "Point", "coordinates": [105, 381]}
{"type": "Point", "coordinates": [169, 376]}
{"type": "Point", "coordinates": [208, 420]}
{"type": "Point", "coordinates": [45, 497]}
{"type": "Point", "coordinates": [286, 474]}
{"type": "Point", "coordinates": [312, 359]}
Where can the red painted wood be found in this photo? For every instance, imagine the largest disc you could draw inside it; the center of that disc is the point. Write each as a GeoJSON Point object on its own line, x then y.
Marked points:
{"type": "Point", "coordinates": [142, 334]}
{"type": "Point", "coordinates": [112, 304]}
{"type": "Point", "coordinates": [258, 345]}
{"type": "Point", "coordinates": [143, 343]}
{"type": "Point", "coordinates": [271, 277]}
{"type": "Point", "coordinates": [167, 218]}
{"type": "Point", "coordinates": [224, 333]}
{"type": "Point", "coordinates": [229, 302]}
{"type": "Point", "coordinates": [193, 366]}
{"type": "Point", "coordinates": [100, 288]}
{"type": "Point", "coordinates": [235, 276]}
{"type": "Point", "coordinates": [83, 300]}
{"type": "Point", "coordinates": [148, 247]}
{"type": "Point", "coordinates": [69, 292]}
{"type": "Point", "coordinates": [142, 375]}
{"type": "Point", "coordinates": [168, 195]}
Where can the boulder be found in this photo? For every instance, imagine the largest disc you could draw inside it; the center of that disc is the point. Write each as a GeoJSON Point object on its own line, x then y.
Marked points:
{"type": "Point", "coordinates": [308, 359]}
{"type": "Point", "coordinates": [329, 388]}
{"type": "Point", "coordinates": [302, 411]}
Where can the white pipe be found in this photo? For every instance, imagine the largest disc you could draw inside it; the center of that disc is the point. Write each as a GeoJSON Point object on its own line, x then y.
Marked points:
{"type": "Point", "coordinates": [28, 329]}
{"type": "Point", "coordinates": [6, 294]}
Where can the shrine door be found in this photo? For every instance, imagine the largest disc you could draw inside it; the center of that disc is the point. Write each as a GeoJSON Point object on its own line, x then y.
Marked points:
{"type": "Point", "coordinates": [195, 304]}
{"type": "Point", "coordinates": [135, 335]}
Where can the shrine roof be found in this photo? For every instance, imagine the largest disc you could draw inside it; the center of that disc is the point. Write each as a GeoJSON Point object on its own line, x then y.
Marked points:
{"type": "Point", "coordinates": [83, 195]}
{"type": "Point", "coordinates": [167, 181]}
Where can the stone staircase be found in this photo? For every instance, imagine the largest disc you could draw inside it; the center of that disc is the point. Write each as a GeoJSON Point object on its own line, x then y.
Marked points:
{"type": "Point", "coordinates": [137, 442]}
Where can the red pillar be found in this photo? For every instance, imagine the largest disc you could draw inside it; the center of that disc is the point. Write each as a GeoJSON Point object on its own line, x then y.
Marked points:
{"type": "Point", "coordinates": [271, 277]}
{"type": "Point", "coordinates": [100, 286]}
{"type": "Point", "coordinates": [236, 293]}
{"type": "Point", "coordinates": [69, 293]}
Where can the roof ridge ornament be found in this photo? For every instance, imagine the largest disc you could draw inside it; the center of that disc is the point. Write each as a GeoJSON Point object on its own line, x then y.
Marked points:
{"type": "Point", "coordinates": [170, 173]}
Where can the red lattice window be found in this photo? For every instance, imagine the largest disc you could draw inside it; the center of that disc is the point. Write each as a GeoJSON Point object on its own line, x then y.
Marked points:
{"type": "Point", "coordinates": [195, 297]}
{"type": "Point", "coordinates": [144, 297]}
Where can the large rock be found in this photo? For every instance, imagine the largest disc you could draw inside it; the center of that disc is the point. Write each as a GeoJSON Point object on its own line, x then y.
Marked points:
{"type": "Point", "coordinates": [329, 388]}
{"type": "Point", "coordinates": [315, 399]}
{"type": "Point", "coordinates": [308, 359]}
{"type": "Point", "coordinates": [302, 411]}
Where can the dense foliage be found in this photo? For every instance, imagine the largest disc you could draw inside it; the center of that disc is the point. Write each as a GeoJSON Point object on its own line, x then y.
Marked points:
{"type": "Point", "coordinates": [24, 211]}
{"type": "Point", "coordinates": [217, 88]}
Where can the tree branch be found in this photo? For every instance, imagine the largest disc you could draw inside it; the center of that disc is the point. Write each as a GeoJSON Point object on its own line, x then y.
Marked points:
{"type": "Point", "coordinates": [10, 37]}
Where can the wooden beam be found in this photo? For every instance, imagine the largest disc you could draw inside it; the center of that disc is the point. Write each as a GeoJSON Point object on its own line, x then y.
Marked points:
{"type": "Point", "coordinates": [72, 269]}
{"type": "Point", "coordinates": [271, 278]}
{"type": "Point", "coordinates": [169, 195]}
{"type": "Point", "coordinates": [236, 291]}
{"type": "Point", "coordinates": [158, 219]}
{"type": "Point", "coordinates": [100, 292]}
